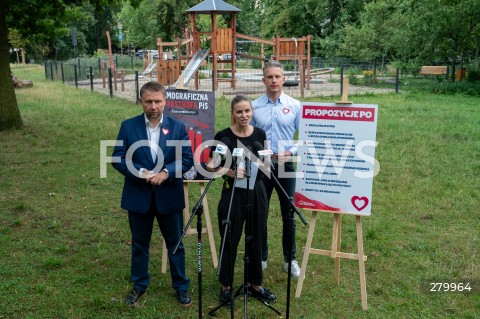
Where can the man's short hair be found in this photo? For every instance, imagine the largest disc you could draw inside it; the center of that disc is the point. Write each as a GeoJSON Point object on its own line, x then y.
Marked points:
{"type": "Point", "coordinates": [153, 87]}
{"type": "Point", "coordinates": [272, 64]}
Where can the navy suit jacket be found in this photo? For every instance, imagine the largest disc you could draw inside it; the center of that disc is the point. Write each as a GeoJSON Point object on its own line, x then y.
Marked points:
{"type": "Point", "coordinates": [137, 193]}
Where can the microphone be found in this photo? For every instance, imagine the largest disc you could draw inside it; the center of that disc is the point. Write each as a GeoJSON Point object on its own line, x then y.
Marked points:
{"type": "Point", "coordinates": [239, 153]}
{"type": "Point", "coordinates": [248, 162]}
{"type": "Point", "coordinates": [220, 151]}
{"type": "Point", "coordinates": [266, 155]}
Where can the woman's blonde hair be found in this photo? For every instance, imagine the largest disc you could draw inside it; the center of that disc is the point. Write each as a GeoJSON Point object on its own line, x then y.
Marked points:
{"type": "Point", "coordinates": [237, 99]}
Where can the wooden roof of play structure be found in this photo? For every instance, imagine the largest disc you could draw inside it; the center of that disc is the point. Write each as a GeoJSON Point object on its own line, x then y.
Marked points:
{"type": "Point", "coordinates": [222, 40]}
{"type": "Point", "coordinates": [216, 6]}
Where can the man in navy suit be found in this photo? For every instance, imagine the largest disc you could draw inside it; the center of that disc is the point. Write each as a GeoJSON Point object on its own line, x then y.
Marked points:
{"type": "Point", "coordinates": [152, 152]}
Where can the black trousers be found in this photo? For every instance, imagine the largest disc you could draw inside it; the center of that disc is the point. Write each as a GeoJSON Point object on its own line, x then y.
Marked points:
{"type": "Point", "coordinates": [257, 199]}
{"type": "Point", "coordinates": [288, 235]}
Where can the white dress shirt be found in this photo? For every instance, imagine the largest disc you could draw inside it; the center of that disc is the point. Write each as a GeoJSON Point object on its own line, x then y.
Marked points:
{"type": "Point", "coordinates": [279, 119]}
{"type": "Point", "coordinates": [153, 136]}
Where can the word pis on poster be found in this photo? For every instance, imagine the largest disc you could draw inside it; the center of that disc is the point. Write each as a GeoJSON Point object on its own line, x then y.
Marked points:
{"type": "Point", "coordinates": [197, 110]}
{"type": "Point", "coordinates": [337, 151]}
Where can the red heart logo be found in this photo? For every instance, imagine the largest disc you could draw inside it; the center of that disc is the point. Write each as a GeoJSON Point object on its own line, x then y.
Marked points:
{"type": "Point", "coordinates": [359, 202]}
{"type": "Point", "coordinates": [165, 131]}
{"type": "Point", "coordinates": [285, 110]}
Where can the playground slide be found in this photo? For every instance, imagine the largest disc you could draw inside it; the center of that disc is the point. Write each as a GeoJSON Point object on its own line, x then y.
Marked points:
{"type": "Point", "coordinates": [150, 67]}
{"type": "Point", "coordinates": [191, 68]}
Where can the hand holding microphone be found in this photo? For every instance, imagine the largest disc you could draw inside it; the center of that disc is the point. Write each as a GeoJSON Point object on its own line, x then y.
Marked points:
{"type": "Point", "coordinates": [241, 171]}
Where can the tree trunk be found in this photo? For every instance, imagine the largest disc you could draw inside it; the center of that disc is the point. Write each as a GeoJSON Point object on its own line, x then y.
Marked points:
{"type": "Point", "coordinates": [9, 113]}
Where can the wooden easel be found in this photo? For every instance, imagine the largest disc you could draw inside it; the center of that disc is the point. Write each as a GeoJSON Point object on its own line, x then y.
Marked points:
{"type": "Point", "coordinates": [186, 213]}
{"type": "Point", "coordinates": [335, 253]}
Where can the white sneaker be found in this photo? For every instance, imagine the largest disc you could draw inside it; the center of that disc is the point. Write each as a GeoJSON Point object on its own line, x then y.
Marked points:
{"type": "Point", "coordinates": [264, 265]}
{"type": "Point", "coordinates": [295, 269]}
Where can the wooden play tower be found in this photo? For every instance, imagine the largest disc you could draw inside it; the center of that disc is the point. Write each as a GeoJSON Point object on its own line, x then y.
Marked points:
{"type": "Point", "coordinates": [223, 42]}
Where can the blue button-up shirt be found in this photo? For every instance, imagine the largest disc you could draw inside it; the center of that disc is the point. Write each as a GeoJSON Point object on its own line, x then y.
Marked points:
{"type": "Point", "coordinates": [279, 119]}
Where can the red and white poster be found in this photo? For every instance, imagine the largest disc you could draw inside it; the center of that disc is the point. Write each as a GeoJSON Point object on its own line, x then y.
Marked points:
{"type": "Point", "coordinates": [197, 110]}
{"type": "Point", "coordinates": [336, 157]}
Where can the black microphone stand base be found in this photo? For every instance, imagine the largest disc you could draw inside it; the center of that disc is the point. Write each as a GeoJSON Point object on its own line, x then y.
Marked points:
{"type": "Point", "coordinates": [241, 292]}
{"type": "Point", "coordinates": [264, 302]}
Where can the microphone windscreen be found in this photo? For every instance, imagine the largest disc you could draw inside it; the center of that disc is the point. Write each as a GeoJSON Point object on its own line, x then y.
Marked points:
{"type": "Point", "coordinates": [221, 149]}
{"type": "Point", "coordinates": [258, 146]}
{"type": "Point", "coordinates": [238, 152]}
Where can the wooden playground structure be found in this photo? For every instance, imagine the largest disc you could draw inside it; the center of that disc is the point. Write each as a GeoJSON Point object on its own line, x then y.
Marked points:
{"type": "Point", "coordinates": [221, 42]}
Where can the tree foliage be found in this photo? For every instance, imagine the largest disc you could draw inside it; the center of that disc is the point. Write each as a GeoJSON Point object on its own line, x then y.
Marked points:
{"type": "Point", "coordinates": [37, 21]}
{"type": "Point", "coordinates": [154, 19]}
{"type": "Point", "coordinates": [414, 30]}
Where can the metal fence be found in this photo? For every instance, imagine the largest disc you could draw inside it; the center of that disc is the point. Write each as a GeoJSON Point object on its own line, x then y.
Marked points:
{"type": "Point", "coordinates": [326, 78]}
{"type": "Point", "coordinates": [90, 74]}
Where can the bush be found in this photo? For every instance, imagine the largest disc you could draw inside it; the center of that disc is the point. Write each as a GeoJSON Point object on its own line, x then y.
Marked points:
{"type": "Point", "coordinates": [256, 64]}
{"type": "Point", "coordinates": [407, 67]}
{"type": "Point", "coordinates": [352, 74]}
{"type": "Point", "coordinates": [473, 75]}
{"type": "Point", "coordinates": [367, 77]}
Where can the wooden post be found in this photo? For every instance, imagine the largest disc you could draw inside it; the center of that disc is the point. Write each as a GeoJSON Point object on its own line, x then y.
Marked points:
{"type": "Point", "coordinates": [308, 245]}
{"type": "Point", "coordinates": [344, 92]}
{"type": "Point", "coordinates": [262, 54]}
{"type": "Point", "coordinates": [361, 264]}
{"type": "Point", "coordinates": [336, 244]}
{"type": "Point", "coordinates": [214, 49]}
{"type": "Point", "coordinates": [234, 49]}
{"type": "Point", "coordinates": [309, 66]}
{"type": "Point", "coordinates": [301, 77]}
{"type": "Point", "coordinates": [115, 77]}
{"type": "Point", "coordinates": [122, 78]}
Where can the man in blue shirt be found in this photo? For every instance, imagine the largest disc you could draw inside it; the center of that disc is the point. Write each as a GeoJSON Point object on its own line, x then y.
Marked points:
{"type": "Point", "coordinates": [278, 115]}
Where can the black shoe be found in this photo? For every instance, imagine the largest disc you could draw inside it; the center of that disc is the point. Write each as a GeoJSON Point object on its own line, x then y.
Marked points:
{"type": "Point", "coordinates": [134, 297]}
{"type": "Point", "coordinates": [184, 298]}
{"type": "Point", "coordinates": [226, 296]}
{"type": "Point", "coordinates": [262, 294]}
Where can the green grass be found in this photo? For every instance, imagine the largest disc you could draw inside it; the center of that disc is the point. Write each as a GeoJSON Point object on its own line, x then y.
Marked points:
{"type": "Point", "coordinates": [64, 239]}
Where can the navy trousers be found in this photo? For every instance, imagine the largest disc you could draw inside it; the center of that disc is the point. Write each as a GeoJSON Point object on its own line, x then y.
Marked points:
{"type": "Point", "coordinates": [171, 227]}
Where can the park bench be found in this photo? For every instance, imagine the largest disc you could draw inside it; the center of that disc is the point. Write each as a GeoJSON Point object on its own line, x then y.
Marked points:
{"type": "Point", "coordinates": [433, 70]}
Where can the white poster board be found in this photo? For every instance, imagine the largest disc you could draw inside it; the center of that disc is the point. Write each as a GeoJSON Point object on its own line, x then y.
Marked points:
{"type": "Point", "coordinates": [336, 157]}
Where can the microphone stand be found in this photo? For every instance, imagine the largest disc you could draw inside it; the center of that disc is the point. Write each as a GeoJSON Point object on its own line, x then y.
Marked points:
{"type": "Point", "coordinates": [293, 208]}
{"type": "Point", "coordinates": [227, 233]}
{"type": "Point", "coordinates": [197, 210]}
{"type": "Point", "coordinates": [248, 237]}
